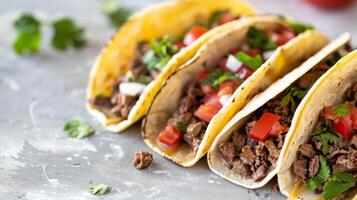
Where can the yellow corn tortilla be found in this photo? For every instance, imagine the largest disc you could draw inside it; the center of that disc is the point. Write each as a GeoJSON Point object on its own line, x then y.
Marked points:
{"type": "Point", "coordinates": [285, 59]}
{"type": "Point", "coordinates": [328, 90]}
{"type": "Point", "coordinates": [175, 18]}
{"type": "Point", "coordinates": [215, 160]}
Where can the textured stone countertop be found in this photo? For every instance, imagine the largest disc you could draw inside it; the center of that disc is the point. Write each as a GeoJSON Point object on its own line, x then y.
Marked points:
{"type": "Point", "coordinates": [37, 159]}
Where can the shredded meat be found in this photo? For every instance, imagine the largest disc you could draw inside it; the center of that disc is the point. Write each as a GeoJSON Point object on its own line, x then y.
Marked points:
{"type": "Point", "coordinates": [248, 155]}
{"type": "Point", "coordinates": [240, 168]}
{"type": "Point", "coordinates": [238, 140]}
{"type": "Point", "coordinates": [227, 151]}
{"type": "Point", "coordinates": [142, 159]}
{"type": "Point", "coordinates": [314, 166]}
{"type": "Point", "coordinates": [260, 173]}
{"type": "Point", "coordinates": [299, 169]}
{"type": "Point", "coordinates": [306, 150]}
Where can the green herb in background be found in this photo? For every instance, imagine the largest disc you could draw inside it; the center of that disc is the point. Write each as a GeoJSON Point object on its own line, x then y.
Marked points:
{"type": "Point", "coordinates": [338, 184]}
{"type": "Point", "coordinates": [298, 27]}
{"type": "Point", "coordinates": [100, 189]}
{"type": "Point", "coordinates": [252, 61]}
{"type": "Point", "coordinates": [116, 14]}
{"type": "Point", "coordinates": [67, 34]}
{"type": "Point", "coordinates": [341, 110]}
{"type": "Point", "coordinates": [327, 136]}
{"type": "Point", "coordinates": [321, 175]}
{"type": "Point", "coordinates": [259, 39]}
{"type": "Point", "coordinates": [182, 126]}
{"type": "Point", "coordinates": [294, 94]}
{"type": "Point", "coordinates": [28, 38]}
{"type": "Point", "coordinates": [77, 127]}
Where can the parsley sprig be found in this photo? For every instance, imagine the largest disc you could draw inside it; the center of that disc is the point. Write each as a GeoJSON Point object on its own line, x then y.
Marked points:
{"type": "Point", "coordinates": [293, 97]}
{"type": "Point", "coordinates": [100, 189]}
{"type": "Point", "coordinates": [77, 127]}
{"type": "Point", "coordinates": [327, 136]}
{"type": "Point", "coordinates": [259, 39]}
{"type": "Point", "coordinates": [116, 14]}
{"type": "Point", "coordinates": [217, 77]}
{"type": "Point", "coordinates": [67, 34]}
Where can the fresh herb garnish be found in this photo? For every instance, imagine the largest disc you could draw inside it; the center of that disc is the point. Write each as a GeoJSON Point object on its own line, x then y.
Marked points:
{"type": "Point", "coordinates": [141, 79]}
{"type": "Point", "coordinates": [100, 189]}
{"type": "Point", "coordinates": [321, 175]}
{"type": "Point", "coordinates": [333, 59]}
{"type": "Point", "coordinates": [28, 38]}
{"type": "Point", "coordinates": [213, 19]}
{"type": "Point", "coordinates": [254, 62]}
{"type": "Point", "coordinates": [327, 136]}
{"type": "Point", "coordinates": [78, 128]}
{"type": "Point", "coordinates": [160, 53]}
{"type": "Point", "coordinates": [339, 183]}
{"type": "Point", "coordinates": [291, 98]}
{"type": "Point", "coordinates": [341, 110]}
{"type": "Point", "coordinates": [217, 77]}
{"type": "Point", "coordinates": [259, 39]}
{"type": "Point", "coordinates": [116, 14]}
{"type": "Point", "coordinates": [67, 34]}
{"type": "Point", "coordinates": [182, 126]}
{"type": "Point", "coordinates": [297, 26]}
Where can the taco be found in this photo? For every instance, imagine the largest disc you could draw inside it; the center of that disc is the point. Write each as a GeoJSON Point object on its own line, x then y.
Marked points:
{"type": "Point", "coordinates": [201, 96]}
{"type": "Point", "coordinates": [249, 148]}
{"type": "Point", "coordinates": [320, 161]}
{"type": "Point", "coordinates": [145, 51]}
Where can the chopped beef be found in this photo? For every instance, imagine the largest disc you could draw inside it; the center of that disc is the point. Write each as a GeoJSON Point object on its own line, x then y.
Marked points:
{"type": "Point", "coordinates": [227, 151]}
{"type": "Point", "coordinates": [273, 151]}
{"type": "Point", "coordinates": [180, 117]}
{"type": "Point", "coordinates": [336, 153]}
{"type": "Point", "coordinates": [306, 150]}
{"type": "Point", "coordinates": [241, 168]}
{"type": "Point", "coordinates": [124, 104]}
{"type": "Point", "coordinates": [238, 140]}
{"type": "Point", "coordinates": [186, 103]}
{"type": "Point", "coordinates": [260, 173]}
{"type": "Point", "coordinates": [317, 144]}
{"type": "Point", "coordinates": [354, 141]}
{"type": "Point", "coordinates": [138, 68]}
{"type": "Point", "coordinates": [142, 159]}
{"type": "Point", "coordinates": [248, 155]}
{"type": "Point", "coordinates": [193, 130]}
{"type": "Point", "coordinates": [314, 166]}
{"type": "Point", "coordinates": [259, 149]}
{"type": "Point", "coordinates": [299, 169]}
{"type": "Point", "coordinates": [346, 163]}
{"type": "Point", "coordinates": [309, 78]}
{"type": "Point", "coordinates": [101, 101]}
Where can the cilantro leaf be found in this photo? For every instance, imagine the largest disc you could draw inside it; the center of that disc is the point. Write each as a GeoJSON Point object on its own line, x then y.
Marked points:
{"type": "Point", "coordinates": [141, 79]}
{"type": "Point", "coordinates": [77, 127]}
{"type": "Point", "coordinates": [339, 183]}
{"type": "Point", "coordinates": [100, 189]}
{"type": "Point", "coordinates": [116, 14]}
{"type": "Point", "coordinates": [182, 126]}
{"type": "Point", "coordinates": [333, 59]}
{"type": "Point", "coordinates": [28, 38]}
{"type": "Point", "coordinates": [327, 136]}
{"type": "Point", "coordinates": [67, 34]}
{"type": "Point", "coordinates": [160, 53]}
{"type": "Point", "coordinates": [225, 77]}
{"type": "Point", "coordinates": [298, 27]}
{"type": "Point", "coordinates": [292, 97]}
{"type": "Point", "coordinates": [321, 176]}
{"type": "Point", "coordinates": [254, 62]}
{"type": "Point", "coordinates": [214, 18]}
{"type": "Point", "coordinates": [259, 39]}
{"type": "Point", "coordinates": [341, 110]}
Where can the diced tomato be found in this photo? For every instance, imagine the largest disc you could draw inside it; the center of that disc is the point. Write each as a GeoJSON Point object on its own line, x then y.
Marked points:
{"type": "Point", "coordinates": [328, 112]}
{"type": "Point", "coordinates": [206, 89]}
{"type": "Point", "coordinates": [227, 87]}
{"type": "Point", "coordinates": [206, 112]}
{"type": "Point", "coordinates": [202, 75]}
{"type": "Point", "coordinates": [343, 126]}
{"type": "Point", "coordinates": [283, 37]}
{"type": "Point", "coordinates": [179, 44]}
{"type": "Point", "coordinates": [222, 65]}
{"type": "Point", "coordinates": [330, 4]}
{"type": "Point", "coordinates": [354, 118]}
{"type": "Point", "coordinates": [253, 52]}
{"type": "Point", "coordinates": [194, 34]}
{"type": "Point", "coordinates": [170, 136]}
{"type": "Point", "coordinates": [278, 129]}
{"type": "Point", "coordinates": [263, 126]}
{"type": "Point", "coordinates": [213, 100]}
{"type": "Point", "coordinates": [226, 17]}
{"type": "Point", "coordinates": [244, 72]}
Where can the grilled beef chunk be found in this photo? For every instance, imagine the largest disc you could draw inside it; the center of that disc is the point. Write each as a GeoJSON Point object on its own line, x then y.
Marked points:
{"type": "Point", "coordinates": [314, 165]}
{"type": "Point", "coordinates": [354, 141]}
{"type": "Point", "coordinates": [260, 173]}
{"type": "Point", "coordinates": [227, 151]}
{"type": "Point", "coordinates": [142, 159]}
{"type": "Point", "coordinates": [241, 168]}
{"type": "Point", "coordinates": [273, 151]}
{"type": "Point", "coordinates": [248, 155]}
{"type": "Point", "coordinates": [238, 140]}
{"type": "Point", "coordinates": [299, 169]}
{"type": "Point", "coordinates": [306, 150]}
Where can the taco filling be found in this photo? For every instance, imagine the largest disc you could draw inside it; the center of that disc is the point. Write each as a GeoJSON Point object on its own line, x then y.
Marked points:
{"type": "Point", "coordinates": [151, 57]}
{"type": "Point", "coordinates": [327, 163]}
{"type": "Point", "coordinates": [204, 96]}
{"type": "Point", "coordinates": [255, 147]}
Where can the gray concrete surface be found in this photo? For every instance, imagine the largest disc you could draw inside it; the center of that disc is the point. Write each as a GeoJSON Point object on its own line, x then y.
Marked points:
{"type": "Point", "coordinates": [39, 162]}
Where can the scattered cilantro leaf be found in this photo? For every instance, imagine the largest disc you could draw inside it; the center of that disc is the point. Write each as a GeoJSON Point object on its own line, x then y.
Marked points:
{"type": "Point", "coordinates": [254, 62]}
{"type": "Point", "coordinates": [293, 97]}
{"type": "Point", "coordinates": [182, 126]}
{"type": "Point", "coordinates": [321, 176]}
{"type": "Point", "coordinates": [259, 39]}
{"type": "Point", "coordinates": [339, 183]}
{"type": "Point", "coordinates": [116, 14]}
{"type": "Point", "coordinates": [28, 38]}
{"type": "Point", "coordinates": [297, 26]}
{"type": "Point", "coordinates": [327, 136]}
{"type": "Point", "coordinates": [67, 34]}
{"type": "Point", "coordinates": [341, 110]}
{"type": "Point", "coordinates": [217, 77]}
{"type": "Point", "coordinates": [160, 53]}
{"type": "Point", "coordinates": [100, 189]}
{"type": "Point", "coordinates": [77, 127]}
{"type": "Point", "coordinates": [214, 18]}
{"type": "Point", "coordinates": [141, 79]}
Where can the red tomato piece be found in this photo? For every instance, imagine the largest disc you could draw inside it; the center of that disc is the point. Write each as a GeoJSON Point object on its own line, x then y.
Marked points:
{"type": "Point", "coordinates": [263, 126]}
{"type": "Point", "coordinates": [328, 113]}
{"type": "Point", "coordinates": [206, 89]}
{"type": "Point", "coordinates": [253, 52]}
{"type": "Point", "coordinates": [194, 34]}
{"type": "Point", "coordinates": [206, 112]}
{"type": "Point", "coordinates": [285, 36]}
{"type": "Point", "coordinates": [226, 17]}
{"type": "Point", "coordinates": [213, 100]}
{"type": "Point", "coordinates": [202, 75]}
{"type": "Point", "coordinates": [354, 118]}
{"type": "Point", "coordinates": [179, 44]}
{"type": "Point", "coordinates": [330, 4]}
{"type": "Point", "coordinates": [170, 136]}
{"type": "Point", "coordinates": [227, 87]}
{"type": "Point", "coordinates": [222, 65]}
{"type": "Point", "coordinates": [278, 129]}
{"type": "Point", "coordinates": [344, 127]}
{"type": "Point", "coordinates": [244, 72]}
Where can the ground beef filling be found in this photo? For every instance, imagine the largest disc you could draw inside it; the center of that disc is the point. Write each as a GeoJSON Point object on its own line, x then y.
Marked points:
{"type": "Point", "coordinates": [189, 103]}
{"type": "Point", "coordinates": [142, 159]}
{"type": "Point", "coordinates": [249, 157]}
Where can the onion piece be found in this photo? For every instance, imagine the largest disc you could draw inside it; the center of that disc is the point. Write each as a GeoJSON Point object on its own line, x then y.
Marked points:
{"type": "Point", "coordinates": [233, 63]}
{"type": "Point", "coordinates": [131, 89]}
{"type": "Point", "coordinates": [224, 99]}
{"type": "Point", "coordinates": [268, 54]}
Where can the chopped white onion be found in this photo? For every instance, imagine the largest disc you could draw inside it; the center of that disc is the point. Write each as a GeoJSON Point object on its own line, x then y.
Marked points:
{"type": "Point", "coordinates": [131, 89]}
{"type": "Point", "coordinates": [233, 63]}
{"type": "Point", "coordinates": [224, 99]}
{"type": "Point", "coordinates": [268, 54]}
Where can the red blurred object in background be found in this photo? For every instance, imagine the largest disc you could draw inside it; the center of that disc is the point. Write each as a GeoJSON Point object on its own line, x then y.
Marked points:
{"type": "Point", "coordinates": [330, 4]}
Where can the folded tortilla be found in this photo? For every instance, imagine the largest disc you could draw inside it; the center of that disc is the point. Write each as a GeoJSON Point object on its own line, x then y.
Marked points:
{"type": "Point", "coordinates": [216, 161]}
{"type": "Point", "coordinates": [285, 59]}
{"type": "Point", "coordinates": [169, 18]}
{"type": "Point", "coordinates": [328, 90]}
